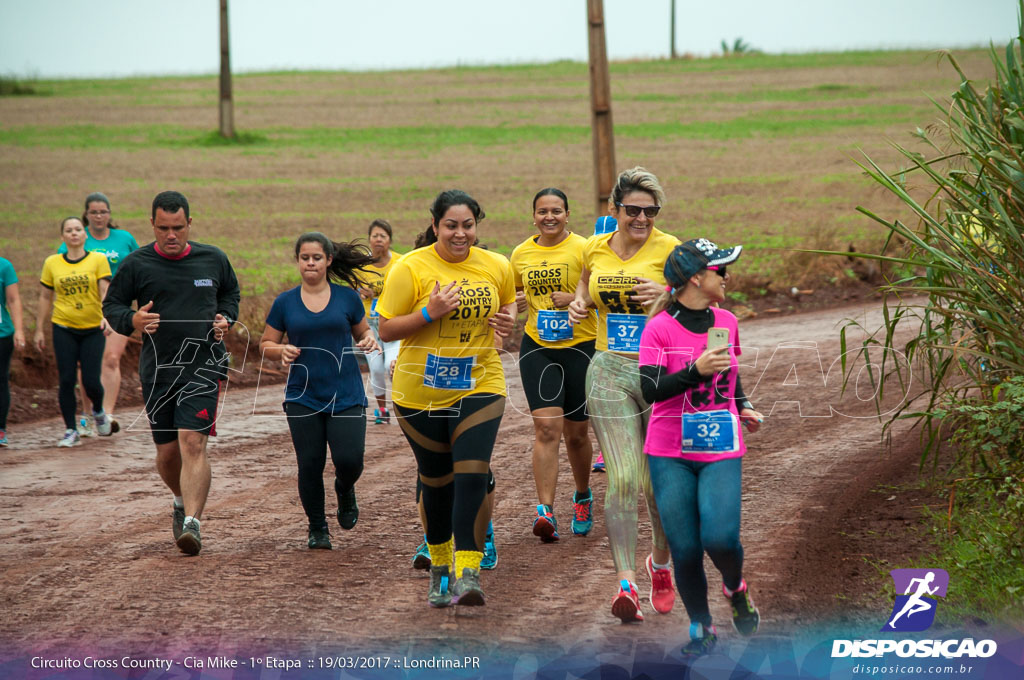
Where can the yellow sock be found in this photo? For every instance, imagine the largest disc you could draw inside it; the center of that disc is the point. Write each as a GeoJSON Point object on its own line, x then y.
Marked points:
{"type": "Point", "coordinates": [467, 558]}
{"type": "Point", "coordinates": [441, 554]}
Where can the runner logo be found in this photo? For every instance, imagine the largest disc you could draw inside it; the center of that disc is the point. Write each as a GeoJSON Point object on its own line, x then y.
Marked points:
{"type": "Point", "coordinates": [203, 414]}
{"type": "Point", "coordinates": [914, 610]}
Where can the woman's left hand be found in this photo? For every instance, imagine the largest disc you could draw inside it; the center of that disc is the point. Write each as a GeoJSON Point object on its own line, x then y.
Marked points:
{"type": "Point", "coordinates": [105, 327]}
{"type": "Point", "coordinates": [646, 291]}
{"type": "Point", "coordinates": [368, 343]}
{"type": "Point", "coordinates": [503, 324]}
{"type": "Point", "coordinates": [752, 419]}
{"type": "Point", "coordinates": [561, 299]}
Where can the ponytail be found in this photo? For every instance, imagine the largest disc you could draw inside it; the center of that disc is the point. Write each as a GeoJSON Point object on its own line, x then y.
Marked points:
{"type": "Point", "coordinates": [347, 258]}
{"type": "Point", "coordinates": [426, 237]}
{"type": "Point", "coordinates": [662, 302]}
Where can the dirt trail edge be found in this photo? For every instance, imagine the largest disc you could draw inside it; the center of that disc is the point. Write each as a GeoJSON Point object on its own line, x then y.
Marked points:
{"type": "Point", "coordinates": [88, 561]}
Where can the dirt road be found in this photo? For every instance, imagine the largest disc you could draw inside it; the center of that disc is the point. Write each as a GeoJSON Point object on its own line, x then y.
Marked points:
{"type": "Point", "coordinates": [88, 561]}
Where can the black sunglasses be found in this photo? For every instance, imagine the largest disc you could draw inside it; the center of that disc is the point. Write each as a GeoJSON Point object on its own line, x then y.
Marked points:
{"type": "Point", "coordinates": [633, 210]}
{"type": "Point", "coordinates": [719, 269]}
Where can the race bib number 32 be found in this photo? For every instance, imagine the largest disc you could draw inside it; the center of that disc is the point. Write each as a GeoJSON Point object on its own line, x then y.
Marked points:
{"type": "Point", "coordinates": [553, 325]}
{"type": "Point", "coordinates": [710, 432]}
{"type": "Point", "coordinates": [449, 373]}
{"type": "Point", "coordinates": [624, 332]}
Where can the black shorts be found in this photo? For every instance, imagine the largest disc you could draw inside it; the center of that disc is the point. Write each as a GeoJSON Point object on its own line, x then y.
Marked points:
{"type": "Point", "coordinates": [556, 378]}
{"type": "Point", "coordinates": [181, 406]}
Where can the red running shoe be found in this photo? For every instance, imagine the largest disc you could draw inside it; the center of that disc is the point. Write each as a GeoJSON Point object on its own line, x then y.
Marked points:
{"type": "Point", "coordinates": [626, 604]}
{"type": "Point", "coordinates": [663, 595]}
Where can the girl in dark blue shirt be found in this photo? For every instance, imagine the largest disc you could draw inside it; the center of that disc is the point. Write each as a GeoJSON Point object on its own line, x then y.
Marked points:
{"type": "Point", "coordinates": [325, 400]}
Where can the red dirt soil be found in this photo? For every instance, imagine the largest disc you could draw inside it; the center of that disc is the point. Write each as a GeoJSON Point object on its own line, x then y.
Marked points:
{"type": "Point", "coordinates": [88, 560]}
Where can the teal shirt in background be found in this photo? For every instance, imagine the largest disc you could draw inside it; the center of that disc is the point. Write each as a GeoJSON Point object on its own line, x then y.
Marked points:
{"type": "Point", "coordinates": [7, 278]}
{"type": "Point", "coordinates": [115, 247]}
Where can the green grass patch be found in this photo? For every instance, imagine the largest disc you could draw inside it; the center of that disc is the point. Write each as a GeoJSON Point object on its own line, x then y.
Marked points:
{"type": "Point", "coordinates": [430, 138]}
{"type": "Point", "coordinates": [13, 87]}
{"type": "Point", "coordinates": [817, 93]}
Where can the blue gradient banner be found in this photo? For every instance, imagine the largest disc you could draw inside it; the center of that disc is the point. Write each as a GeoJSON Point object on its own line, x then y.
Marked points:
{"type": "Point", "coordinates": [769, 657]}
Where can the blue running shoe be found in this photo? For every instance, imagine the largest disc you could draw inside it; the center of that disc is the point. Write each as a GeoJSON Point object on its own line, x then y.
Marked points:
{"type": "Point", "coordinates": [599, 463]}
{"type": "Point", "coordinates": [582, 513]}
{"type": "Point", "coordinates": [421, 560]}
{"type": "Point", "coordinates": [545, 525]}
{"type": "Point", "coordinates": [3, 439]}
{"type": "Point", "coordinates": [490, 559]}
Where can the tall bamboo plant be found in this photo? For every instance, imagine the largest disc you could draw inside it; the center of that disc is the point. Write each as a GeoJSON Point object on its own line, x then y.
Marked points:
{"type": "Point", "coordinates": [958, 276]}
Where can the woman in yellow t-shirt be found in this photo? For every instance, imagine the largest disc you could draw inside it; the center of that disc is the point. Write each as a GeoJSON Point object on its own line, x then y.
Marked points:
{"type": "Point", "coordinates": [379, 362]}
{"type": "Point", "coordinates": [446, 302]}
{"type": "Point", "coordinates": [74, 285]}
{"type": "Point", "coordinates": [553, 359]}
{"type": "Point", "coordinates": [623, 271]}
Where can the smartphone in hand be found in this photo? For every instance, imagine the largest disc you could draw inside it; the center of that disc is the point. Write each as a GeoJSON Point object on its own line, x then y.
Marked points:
{"type": "Point", "coordinates": [717, 337]}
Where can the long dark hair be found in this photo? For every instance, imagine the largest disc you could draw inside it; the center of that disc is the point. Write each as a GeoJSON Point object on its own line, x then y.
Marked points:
{"type": "Point", "coordinates": [445, 200]}
{"type": "Point", "coordinates": [348, 258]}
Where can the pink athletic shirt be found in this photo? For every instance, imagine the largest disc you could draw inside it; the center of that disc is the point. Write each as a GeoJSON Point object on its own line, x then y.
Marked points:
{"type": "Point", "coordinates": [666, 343]}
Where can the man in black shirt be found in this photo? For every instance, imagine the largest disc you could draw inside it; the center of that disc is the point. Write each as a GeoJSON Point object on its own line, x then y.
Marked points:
{"type": "Point", "coordinates": [187, 297]}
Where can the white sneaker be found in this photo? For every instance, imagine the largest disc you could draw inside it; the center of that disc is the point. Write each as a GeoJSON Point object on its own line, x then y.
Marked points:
{"type": "Point", "coordinates": [103, 424]}
{"type": "Point", "coordinates": [85, 426]}
{"type": "Point", "coordinates": [70, 438]}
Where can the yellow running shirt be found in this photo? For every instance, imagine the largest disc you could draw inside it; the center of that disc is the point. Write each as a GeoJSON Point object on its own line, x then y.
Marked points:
{"type": "Point", "coordinates": [76, 300]}
{"type": "Point", "coordinates": [454, 356]}
{"type": "Point", "coordinates": [539, 271]}
{"type": "Point", "coordinates": [373, 276]}
{"type": "Point", "coordinates": [620, 322]}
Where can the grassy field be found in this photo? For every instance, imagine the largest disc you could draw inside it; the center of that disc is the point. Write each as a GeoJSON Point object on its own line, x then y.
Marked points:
{"type": "Point", "coordinates": [754, 150]}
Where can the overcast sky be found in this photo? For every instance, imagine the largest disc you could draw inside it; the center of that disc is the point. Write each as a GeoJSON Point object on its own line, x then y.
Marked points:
{"type": "Point", "coordinates": [99, 38]}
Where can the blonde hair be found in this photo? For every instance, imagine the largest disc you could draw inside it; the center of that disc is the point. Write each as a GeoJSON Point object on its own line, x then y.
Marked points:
{"type": "Point", "coordinates": [661, 302]}
{"type": "Point", "coordinates": [636, 179]}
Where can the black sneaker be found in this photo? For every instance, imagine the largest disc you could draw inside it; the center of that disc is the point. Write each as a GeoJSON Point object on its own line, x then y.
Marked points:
{"type": "Point", "coordinates": [745, 617]}
{"type": "Point", "coordinates": [190, 542]}
{"type": "Point", "coordinates": [177, 520]}
{"type": "Point", "coordinates": [467, 590]}
{"type": "Point", "coordinates": [702, 640]}
{"type": "Point", "coordinates": [319, 539]}
{"type": "Point", "coordinates": [440, 594]}
{"type": "Point", "coordinates": [348, 509]}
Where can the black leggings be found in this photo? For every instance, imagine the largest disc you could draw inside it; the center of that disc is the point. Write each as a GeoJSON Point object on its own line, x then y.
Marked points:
{"type": "Point", "coordinates": [6, 350]}
{"type": "Point", "coordinates": [76, 347]}
{"type": "Point", "coordinates": [453, 455]}
{"type": "Point", "coordinates": [312, 432]}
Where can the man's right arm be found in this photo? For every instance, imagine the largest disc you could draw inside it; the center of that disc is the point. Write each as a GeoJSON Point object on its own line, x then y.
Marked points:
{"type": "Point", "coordinates": [117, 305]}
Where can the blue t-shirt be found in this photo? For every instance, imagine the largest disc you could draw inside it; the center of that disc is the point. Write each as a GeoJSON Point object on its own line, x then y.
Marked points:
{"type": "Point", "coordinates": [325, 376]}
{"type": "Point", "coordinates": [115, 246]}
{"type": "Point", "coordinates": [7, 277]}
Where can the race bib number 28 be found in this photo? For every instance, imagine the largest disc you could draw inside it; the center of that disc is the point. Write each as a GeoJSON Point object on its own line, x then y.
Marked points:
{"type": "Point", "coordinates": [449, 373]}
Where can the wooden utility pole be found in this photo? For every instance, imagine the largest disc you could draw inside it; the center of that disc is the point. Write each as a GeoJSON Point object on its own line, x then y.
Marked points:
{"type": "Point", "coordinates": [672, 31]}
{"type": "Point", "coordinates": [227, 107]}
{"type": "Point", "coordinates": [601, 107]}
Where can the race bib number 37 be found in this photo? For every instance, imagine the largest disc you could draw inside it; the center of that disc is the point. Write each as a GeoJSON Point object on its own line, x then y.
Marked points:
{"type": "Point", "coordinates": [710, 432]}
{"type": "Point", "coordinates": [449, 373]}
{"type": "Point", "coordinates": [624, 332]}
